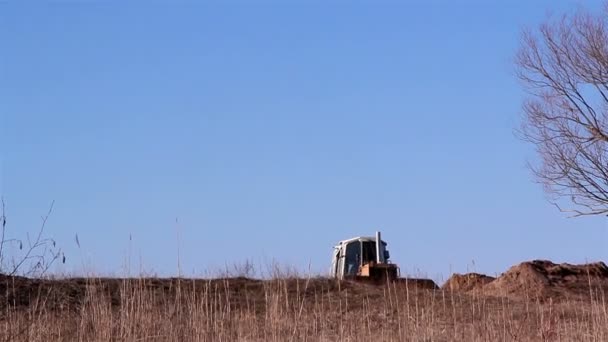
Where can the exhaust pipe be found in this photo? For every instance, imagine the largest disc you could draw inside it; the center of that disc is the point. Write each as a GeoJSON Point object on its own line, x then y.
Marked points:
{"type": "Point", "coordinates": [378, 248]}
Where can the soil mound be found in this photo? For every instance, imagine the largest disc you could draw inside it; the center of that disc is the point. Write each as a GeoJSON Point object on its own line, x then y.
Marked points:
{"type": "Point", "coordinates": [466, 282]}
{"type": "Point", "coordinates": [540, 278]}
{"type": "Point", "coordinates": [420, 283]}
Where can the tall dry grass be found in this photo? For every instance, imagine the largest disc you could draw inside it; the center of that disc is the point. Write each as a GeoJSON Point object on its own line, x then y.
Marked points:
{"type": "Point", "coordinates": [287, 309]}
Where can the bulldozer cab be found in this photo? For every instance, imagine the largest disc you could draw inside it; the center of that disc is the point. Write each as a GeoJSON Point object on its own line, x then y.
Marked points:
{"type": "Point", "coordinates": [352, 254]}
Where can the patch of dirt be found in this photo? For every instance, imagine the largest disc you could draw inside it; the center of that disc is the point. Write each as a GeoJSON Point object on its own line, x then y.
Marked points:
{"type": "Point", "coordinates": [543, 278]}
{"type": "Point", "coordinates": [420, 283]}
{"type": "Point", "coordinates": [466, 282]}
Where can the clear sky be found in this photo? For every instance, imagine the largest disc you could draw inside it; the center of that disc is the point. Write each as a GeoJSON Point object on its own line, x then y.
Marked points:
{"type": "Point", "coordinates": [270, 131]}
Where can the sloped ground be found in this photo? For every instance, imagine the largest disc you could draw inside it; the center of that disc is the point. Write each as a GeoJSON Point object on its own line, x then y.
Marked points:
{"type": "Point", "coordinates": [540, 279]}
{"type": "Point", "coordinates": [466, 282]}
{"type": "Point", "coordinates": [533, 301]}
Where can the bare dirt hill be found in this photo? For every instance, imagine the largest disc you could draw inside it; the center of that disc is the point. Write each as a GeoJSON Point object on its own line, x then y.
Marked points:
{"type": "Point", "coordinates": [543, 278]}
{"type": "Point", "coordinates": [538, 279]}
{"type": "Point", "coordinates": [466, 282]}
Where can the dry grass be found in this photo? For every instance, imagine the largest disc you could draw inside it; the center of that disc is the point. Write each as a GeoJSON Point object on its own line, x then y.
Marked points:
{"type": "Point", "coordinates": [284, 309]}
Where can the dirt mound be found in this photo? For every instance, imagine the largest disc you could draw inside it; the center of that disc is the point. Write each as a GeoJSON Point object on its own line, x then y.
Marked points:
{"type": "Point", "coordinates": [541, 278]}
{"type": "Point", "coordinates": [420, 283]}
{"type": "Point", "coordinates": [466, 282]}
{"type": "Point", "coordinates": [537, 279]}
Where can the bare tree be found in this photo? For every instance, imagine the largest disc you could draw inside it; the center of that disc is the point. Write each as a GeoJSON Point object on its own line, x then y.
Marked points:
{"type": "Point", "coordinates": [564, 67]}
{"type": "Point", "coordinates": [38, 253]}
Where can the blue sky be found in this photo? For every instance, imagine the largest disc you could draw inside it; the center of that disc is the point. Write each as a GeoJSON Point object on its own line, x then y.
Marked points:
{"type": "Point", "coordinates": [231, 131]}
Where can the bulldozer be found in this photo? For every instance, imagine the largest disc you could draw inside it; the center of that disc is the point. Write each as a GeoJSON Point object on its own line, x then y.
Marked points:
{"type": "Point", "coordinates": [366, 258]}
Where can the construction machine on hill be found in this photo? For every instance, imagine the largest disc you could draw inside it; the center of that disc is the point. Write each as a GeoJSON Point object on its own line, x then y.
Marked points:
{"type": "Point", "coordinates": [367, 259]}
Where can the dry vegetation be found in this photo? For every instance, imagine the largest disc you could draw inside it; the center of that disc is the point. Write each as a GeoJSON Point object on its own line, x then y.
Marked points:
{"type": "Point", "coordinates": [535, 301]}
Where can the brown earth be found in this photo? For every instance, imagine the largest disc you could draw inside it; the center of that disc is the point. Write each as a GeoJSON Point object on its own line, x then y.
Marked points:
{"type": "Point", "coordinates": [542, 278]}
{"type": "Point", "coordinates": [538, 279]}
{"type": "Point", "coordinates": [466, 282]}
